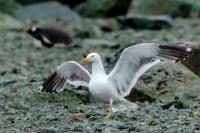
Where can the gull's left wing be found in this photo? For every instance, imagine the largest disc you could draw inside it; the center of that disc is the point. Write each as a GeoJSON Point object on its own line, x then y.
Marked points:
{"type": "Point", "coordinates": [137, 59]}
{"type": "Point", "coordinates": [68, 72]}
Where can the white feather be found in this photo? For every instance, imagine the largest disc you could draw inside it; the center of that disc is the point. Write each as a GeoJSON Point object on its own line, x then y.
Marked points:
{"type": "Point", "coordinates": [133, 62]}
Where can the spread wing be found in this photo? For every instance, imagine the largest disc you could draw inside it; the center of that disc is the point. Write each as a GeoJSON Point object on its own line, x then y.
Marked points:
{"type": "Point", "coordinates": [68, 72]}
{"type": "Point", "coordinates": [137, 59]}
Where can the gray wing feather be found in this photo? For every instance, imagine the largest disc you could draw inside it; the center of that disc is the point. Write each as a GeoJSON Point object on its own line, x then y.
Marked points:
{"type": "Point", "coordinates": [68, 72]}
{"type": "Point", "coordinates": [137, 59]}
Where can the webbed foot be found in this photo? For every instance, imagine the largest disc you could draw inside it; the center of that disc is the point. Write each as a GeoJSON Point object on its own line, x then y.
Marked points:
{"type": "Point", "coordinates": [108, 116]}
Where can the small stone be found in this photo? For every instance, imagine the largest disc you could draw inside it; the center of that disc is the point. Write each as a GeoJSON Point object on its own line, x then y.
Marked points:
{"type": "Point", "coordinates": [194, 114]}
{"type": "Point", "coordinates": [78, 116]}
{"type": "Point", "coordinates": [48, 130]}
{"type": "Point", "coordinates": [51, 118]}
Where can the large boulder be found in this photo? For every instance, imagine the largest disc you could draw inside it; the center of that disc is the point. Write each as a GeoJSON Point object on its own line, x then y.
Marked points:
{"type": "Point", "coordinates": [8, 6]}
{"type": "Point", "coordinates": [147, 22]}
{"type": "Point", "coordinates": [8, 22]}
{"type": "Point", "coordinates": [103, 8]}
{"type": "Point", "coordinates": [93, 28]}
{"type": "Point", "coordinates": [71, 3]}
{"type": "Point", "coordinates": [173, 8]}
{"type": "Point", "coordinates": [166, 82]}
{"type": "Point", "coordinates": [47, 11]}
{"type": "Point", "coordinates": [193, 62]}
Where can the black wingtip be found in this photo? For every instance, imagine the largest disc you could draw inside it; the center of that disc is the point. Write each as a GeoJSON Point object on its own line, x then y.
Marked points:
{"type": "Point", "coordinates": [176, 53]}
{"type": "Point", "coordinates": [49, 84]}
{"type": "Point", "coordinates": [174, 48]}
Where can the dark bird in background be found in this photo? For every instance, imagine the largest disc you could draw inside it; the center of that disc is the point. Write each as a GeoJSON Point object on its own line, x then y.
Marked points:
{"type": "Point", "coordinates": [50, 36]}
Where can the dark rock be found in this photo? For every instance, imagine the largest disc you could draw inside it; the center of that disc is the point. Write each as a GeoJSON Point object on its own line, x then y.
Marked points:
{"type": "Point", "coordinates": [3, 73]}
{"type": "Point", "coordinates": [66, 107]}
{"type": "Point", "coordinates": [8, 6]}
{"type": "Point", "coordinates": [183, 9]}
{"type": "Point", "coordinates": [71, 3]}
{"type": "Point", "coordinates": [15, 71]}
{"type": "Point", "coordinates": [193, 62]}
{"type": "Point", "coordinates": [47, 11]}
{"type": "Point", "coordinates": [173, 8]}
{"type": "Point", "coordinates": [153, 122]}
{"type": "Point", "coordinates": [7, 82]}
{"type": "Point", "coordinates": [147, 22]}
{"type": "Point", "coordinates": [90, 113]}
{"type": "Point", "coordinates": [48, 130]}
{"type": "Point", "coordinates": [177, 104]}
{"type": "Point", "coordinates": [103, 8]}
{"type": "Point", "coordinates": [138, 95]}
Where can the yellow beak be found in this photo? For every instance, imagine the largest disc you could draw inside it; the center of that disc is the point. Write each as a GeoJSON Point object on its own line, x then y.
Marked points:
{"type": "Point", "coordinates": [85, 60]}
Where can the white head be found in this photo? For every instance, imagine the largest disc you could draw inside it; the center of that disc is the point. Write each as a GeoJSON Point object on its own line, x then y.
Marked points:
{"type": "Point", "coordinates": [92, 57]}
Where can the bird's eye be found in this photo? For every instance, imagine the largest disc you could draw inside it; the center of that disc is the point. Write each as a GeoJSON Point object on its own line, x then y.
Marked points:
{"type": "Point", "coordinates": [92, 56]}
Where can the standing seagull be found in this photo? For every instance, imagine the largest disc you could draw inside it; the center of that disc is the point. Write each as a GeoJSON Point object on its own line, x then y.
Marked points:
{"type": "Point", "coordinates": [112, 88]}
{"type": "Point", "coordinates": [49, 36]}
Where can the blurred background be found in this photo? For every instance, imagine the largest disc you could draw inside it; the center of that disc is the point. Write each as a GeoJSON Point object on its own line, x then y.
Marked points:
{"type": "Point", "coordinates": [168, 94]}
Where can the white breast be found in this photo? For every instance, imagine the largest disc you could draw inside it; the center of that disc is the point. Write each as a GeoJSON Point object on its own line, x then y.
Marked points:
{"type": "Point", "coordinates": [101, 89]}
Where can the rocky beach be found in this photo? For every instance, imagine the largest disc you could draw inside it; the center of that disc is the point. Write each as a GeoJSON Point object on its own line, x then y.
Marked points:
{"type": "Point", "coordinates": [168, 94]}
